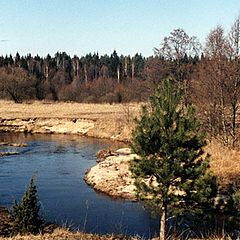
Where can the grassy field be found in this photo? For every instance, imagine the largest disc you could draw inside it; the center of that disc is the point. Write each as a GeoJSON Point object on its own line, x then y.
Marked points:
{"type": "Point", "coordinates": [9, 109]}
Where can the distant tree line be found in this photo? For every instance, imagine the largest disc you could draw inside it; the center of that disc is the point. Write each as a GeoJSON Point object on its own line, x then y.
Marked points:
{"type": "Point", "coordinates": [209, 75]}
{"type": "Point", "coordinates": [61, 78]}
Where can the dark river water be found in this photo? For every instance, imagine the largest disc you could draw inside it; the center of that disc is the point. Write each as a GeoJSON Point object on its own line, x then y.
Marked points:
{"type": "Point", "coordinates": [62, 161]}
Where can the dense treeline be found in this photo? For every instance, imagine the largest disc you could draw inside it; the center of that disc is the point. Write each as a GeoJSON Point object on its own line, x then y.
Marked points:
{"type": "Point", "coordinates": [61, 78]}
{"type": "Point", "coordinates": [209, 75]}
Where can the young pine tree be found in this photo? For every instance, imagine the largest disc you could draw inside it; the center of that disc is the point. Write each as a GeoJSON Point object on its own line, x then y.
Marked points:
{"type": "Point", "coordinates": [26, 214]}
{"type": "Point", "coordinates": [171, 173]}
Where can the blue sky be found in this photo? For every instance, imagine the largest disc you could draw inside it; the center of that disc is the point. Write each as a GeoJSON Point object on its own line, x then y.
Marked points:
{"type": "Point", "coordinates": [127, 26]}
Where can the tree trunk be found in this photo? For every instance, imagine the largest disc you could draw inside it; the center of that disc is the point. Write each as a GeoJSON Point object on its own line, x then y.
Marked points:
{"type": "Point", "coordinates": [133, 69]}
{"type": "Point", "coordinates": [163, 224]}
{"type": "Point", "coordinates": [234, 110]}
{"type": "Point", "coordinates": [223, 118]}
{"type": "Point", "coordinates": [126, 66]}
{"type": "Point", "coordinates": [46, 72]}
{"type": "Point", "coordinates": [77, 63]}
{"type": "Point", "coordinates": [85, 73]}
{"type": "Point", "coordinates": [118, 74]}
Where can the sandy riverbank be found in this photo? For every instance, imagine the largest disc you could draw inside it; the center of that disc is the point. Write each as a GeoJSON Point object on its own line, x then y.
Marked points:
{"type": "Point", "coordinates": [112, 176]}
{"type": "Point", "coordinates": [94, 120]}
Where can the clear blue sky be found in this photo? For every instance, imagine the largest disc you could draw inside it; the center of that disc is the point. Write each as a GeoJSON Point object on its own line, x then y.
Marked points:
{"type": "Point", "coordinates": [83, 26]}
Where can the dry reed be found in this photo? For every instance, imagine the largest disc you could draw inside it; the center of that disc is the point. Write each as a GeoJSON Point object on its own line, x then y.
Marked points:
{"type": "Point", "coordinates": [225, 164]}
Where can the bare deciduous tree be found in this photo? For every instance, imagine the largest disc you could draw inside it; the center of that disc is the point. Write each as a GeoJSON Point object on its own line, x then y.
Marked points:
{"type": "Point", "coordinates": [177, 48]}
{"type": "Point", "coordinates": [218, 83]}
{"type": "Point", "coordinates": [17, 83]}
{"type": "Point", "coordinates": [177, 45]}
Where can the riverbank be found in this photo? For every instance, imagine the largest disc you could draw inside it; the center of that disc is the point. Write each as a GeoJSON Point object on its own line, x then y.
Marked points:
{"type": "Point", "coordinates": [107, 121]}
{"type": "Point", "coordinates": [112, 176]}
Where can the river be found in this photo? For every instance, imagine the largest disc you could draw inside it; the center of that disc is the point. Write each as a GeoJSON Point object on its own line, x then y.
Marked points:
{"type": "Point", "coordinates": [61, 162]}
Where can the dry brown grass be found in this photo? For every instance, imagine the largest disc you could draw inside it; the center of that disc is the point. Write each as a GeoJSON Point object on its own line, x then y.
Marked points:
{"type": "Point", "coordinates": [64, 234]}
{"type": "Point", "coordinates": [225, 163]}
{"type": "Point", "coordinates": [43, 109]}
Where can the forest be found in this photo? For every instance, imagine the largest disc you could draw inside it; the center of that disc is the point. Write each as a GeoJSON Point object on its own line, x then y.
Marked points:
{"type": "Point", "coordinates": [208, 73]}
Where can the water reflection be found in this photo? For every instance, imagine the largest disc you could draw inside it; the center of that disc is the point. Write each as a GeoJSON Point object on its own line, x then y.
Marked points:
{"type": "Point", "coordinates": [62, 161]}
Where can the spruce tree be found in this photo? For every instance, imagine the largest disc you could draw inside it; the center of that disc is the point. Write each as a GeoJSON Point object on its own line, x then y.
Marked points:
{"type": "Point", "coordinates": [171, 172]}
{"type": "Point", "coordinates": [26, 214]}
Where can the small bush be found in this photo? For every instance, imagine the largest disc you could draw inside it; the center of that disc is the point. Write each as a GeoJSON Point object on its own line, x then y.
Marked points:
{"type": "Point", "coordinates": [26, 214]}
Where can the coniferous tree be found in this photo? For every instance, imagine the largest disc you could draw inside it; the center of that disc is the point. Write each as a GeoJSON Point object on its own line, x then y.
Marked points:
{"type": "Point", "coordinates": [26, 214]}
{"type": "Point", "coordinates": [171, 173]}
